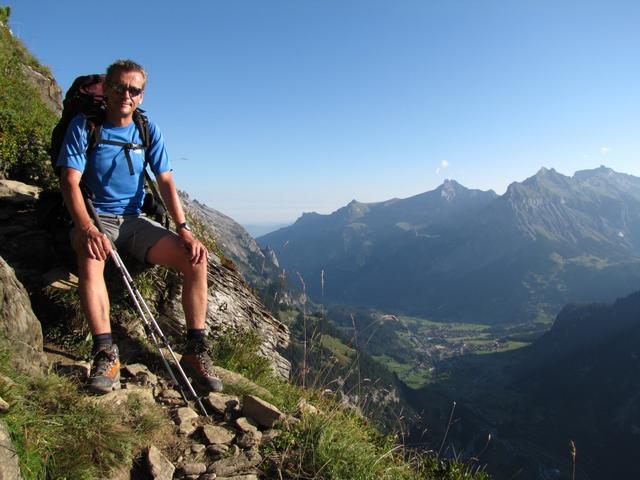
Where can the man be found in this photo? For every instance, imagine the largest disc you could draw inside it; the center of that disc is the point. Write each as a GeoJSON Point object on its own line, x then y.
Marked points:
{"type": "Point", "coordinates": [117, 182]}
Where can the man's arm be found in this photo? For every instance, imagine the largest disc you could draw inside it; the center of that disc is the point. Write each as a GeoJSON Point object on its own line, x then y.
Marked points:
{"type": "Point", "coordinates": [196, 250]}
{"type": "Point", "coordinates": [87, 237]}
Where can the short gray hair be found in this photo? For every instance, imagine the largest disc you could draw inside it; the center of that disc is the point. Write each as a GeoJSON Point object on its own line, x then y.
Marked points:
{"type": "Point", "coordinates": [124, 66]}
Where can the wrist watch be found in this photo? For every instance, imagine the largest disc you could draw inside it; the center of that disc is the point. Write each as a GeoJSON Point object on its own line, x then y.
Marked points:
{"type": "Point", "coordinates": [184, 225]}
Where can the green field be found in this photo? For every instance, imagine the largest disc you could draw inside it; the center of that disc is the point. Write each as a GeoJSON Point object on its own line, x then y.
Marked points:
{"type": "Point", "coordinates": [421, 345]}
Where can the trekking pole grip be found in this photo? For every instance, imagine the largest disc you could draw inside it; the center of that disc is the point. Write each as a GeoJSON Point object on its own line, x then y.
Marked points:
{"type": "Point", "coordinates": [94, 215]}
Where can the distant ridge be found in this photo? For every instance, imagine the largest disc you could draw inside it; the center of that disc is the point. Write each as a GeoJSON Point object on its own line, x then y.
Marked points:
{"type": "Point", "coordinates": [459, 254]}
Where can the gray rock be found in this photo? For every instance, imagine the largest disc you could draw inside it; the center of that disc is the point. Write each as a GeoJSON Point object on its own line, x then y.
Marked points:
{"type": "Point", "coordinates": [214, 434]}
{"type": "Point", "coordinates": [141, 373]}
{"type": "Point", "coordinates": [239, 381]}
{"type": "Point", "coordinates": [290, 420]}
{"type": "Point", "coordinates": [262, 412]}
{"type": "Point", "coordinates": [186, 419]}
{"type": "Point", "coordinates": [305, 408]}
{"type": "Point", "coordinates": [243, 463]}
{"type": "Point", "coordinates": [60, 278]}
{"type": "Point", "coordinates": [246, 424]}
{"type": "Point", "coordinates": [193, 468]}
{"type": "Point", "coordinates": [270, 435]}
{"type": "Point", "coordinates": [197, 448]}
{"type": "Point", "coordinates": [120, 397]}
{"type": "Point", "coordinates": [248, 440]}
{"type": "Point", "coordinates": [4, 406]}
{"type": "Point", "coordinates": [240, 477]}
{"type": "Point", "coordinates": [160, 467]}
{"type": "Point", "coordinates": [18, 193]}
{"type": "Point", "coordinates": [217, 449]}
{"type": "Point", "coordinates": [18, 323]}
{"type": "Point", "coordinates": [9, 466]}
{"type": "Point", "coordinates": [221, 403]}
{"type": "Point", "coordinates": [170, 394]}
{"type": "Point", "coordinates": [47, 88]}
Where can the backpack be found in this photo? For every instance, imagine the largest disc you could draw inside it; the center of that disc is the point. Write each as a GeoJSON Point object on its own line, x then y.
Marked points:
{"type": "Point", "coordinates": [86, 97]}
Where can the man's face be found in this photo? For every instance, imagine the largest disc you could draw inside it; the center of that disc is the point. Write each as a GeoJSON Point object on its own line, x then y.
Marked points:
{"type": "Point", "coordinates": [124, 94]}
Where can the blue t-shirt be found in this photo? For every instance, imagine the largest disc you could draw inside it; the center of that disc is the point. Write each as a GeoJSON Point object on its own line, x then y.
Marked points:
{"type": "Point", "coordinates": [107, 173]}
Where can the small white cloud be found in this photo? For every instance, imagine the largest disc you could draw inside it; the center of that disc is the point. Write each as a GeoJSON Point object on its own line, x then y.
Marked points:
{"type": "Point", "coordinates": [605, 150]}
{"type": "Point", "coordinates": [443, 164]}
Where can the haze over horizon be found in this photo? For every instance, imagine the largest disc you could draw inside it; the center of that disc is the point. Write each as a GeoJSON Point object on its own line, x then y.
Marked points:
{"type": "Point", "coordinates": [271, 110]}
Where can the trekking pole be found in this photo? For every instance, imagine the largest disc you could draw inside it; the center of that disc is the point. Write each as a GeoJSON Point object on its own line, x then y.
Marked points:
{"type": "Point", "coordinates": [150, 323]}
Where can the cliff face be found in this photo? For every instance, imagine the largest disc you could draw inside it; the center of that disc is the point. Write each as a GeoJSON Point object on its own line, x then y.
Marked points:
{"type": "Point", "coordinates": [232, 307]}
{"type": "Point", "coordinates": [259, 267]}
{"type": "Point", "coordinates": [48, 89]}
{"type": "Point", "coordinates": [18, 324]}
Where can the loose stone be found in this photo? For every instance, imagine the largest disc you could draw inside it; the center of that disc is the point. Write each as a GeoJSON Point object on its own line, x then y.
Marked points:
{"type": "Point", "coordinates": [160, 468]}
{"type": "Point", "coordinates": [262, 412]}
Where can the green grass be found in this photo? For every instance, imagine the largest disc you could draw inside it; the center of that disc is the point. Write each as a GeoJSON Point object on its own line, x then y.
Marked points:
{"type": "Point", "coordinates": [342, 352]}
{"type": "Point", "coordinates": [336, 443]}
{"type": "Point", "coordinates": [60, 433]}
{"type": "Point", "coordinates": [25, 121]}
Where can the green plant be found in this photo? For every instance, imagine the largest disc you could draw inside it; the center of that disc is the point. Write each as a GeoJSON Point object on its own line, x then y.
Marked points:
{"type": "Point", "coordinates": [60, 433]}
{"type": "Point", "coordinates": [5, 13]}
{"type": "Point", "coordinates": [25, 121]}
{"type": "Point", "coordinates": [238, 351]}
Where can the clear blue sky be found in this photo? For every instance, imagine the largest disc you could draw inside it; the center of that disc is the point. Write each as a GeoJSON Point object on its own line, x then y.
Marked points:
{"type": "Point", "coordinates": [274, 108]}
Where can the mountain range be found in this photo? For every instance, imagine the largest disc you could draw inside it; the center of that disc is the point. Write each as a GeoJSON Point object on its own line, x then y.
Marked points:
{"type": "Point", "coordinates": [456, 254]}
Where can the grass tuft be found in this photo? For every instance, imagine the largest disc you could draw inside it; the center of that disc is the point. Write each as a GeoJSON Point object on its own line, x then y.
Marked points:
{"type": "Point", "coordinates": [61, 433]}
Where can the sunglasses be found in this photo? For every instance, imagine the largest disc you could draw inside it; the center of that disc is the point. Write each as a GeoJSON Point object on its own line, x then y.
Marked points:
{"type": "Point", "coordinates": [121, 88]}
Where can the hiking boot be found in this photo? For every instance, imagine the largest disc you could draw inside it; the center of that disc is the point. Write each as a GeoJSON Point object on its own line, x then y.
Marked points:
{"type": "Point", "coordinates": [105, 373]}
{"type": "Point", "coordinates": [197, 364]}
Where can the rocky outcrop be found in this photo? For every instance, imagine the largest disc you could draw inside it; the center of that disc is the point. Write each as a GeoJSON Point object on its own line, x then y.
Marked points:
{"type": "Point", "coordinates": [9, 467]}
{"type": "Point", "coordinates": [18, 324]}
{"type": "Point", "coordinates": [47, 87]}
{"type": "Point", "coordinates": [259, 267]}
{"type": "Point", "coordinates": [232, 307]}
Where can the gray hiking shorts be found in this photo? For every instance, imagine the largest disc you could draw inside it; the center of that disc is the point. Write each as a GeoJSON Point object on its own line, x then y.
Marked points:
{"type": "Point", "coordinates": [132, 233]}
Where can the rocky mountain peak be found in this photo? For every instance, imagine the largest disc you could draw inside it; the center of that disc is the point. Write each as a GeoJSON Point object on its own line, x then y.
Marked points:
{"type": "Point", "coordinates": [601, 171]}
{"type": "Point", "coordinates": [450, 189]}
{"type": "Point", "coordinates": [352, 211]}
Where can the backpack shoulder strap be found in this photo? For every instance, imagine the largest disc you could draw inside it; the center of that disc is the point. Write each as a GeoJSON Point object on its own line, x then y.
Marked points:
{"type": "Point", "coordinates": [94, 133]}
{"type": "Point", "coordinates": [142, 124]}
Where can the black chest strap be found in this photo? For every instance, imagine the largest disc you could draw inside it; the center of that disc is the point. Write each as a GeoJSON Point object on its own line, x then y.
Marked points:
{"type": "Point", "coordinates": [96, 139]}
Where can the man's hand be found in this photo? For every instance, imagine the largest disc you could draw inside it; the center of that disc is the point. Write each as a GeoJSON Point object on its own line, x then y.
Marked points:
{"type": "Point", "coordinates": [196, 251]}
{"type": "Point", "coordinates": [96, 245]}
